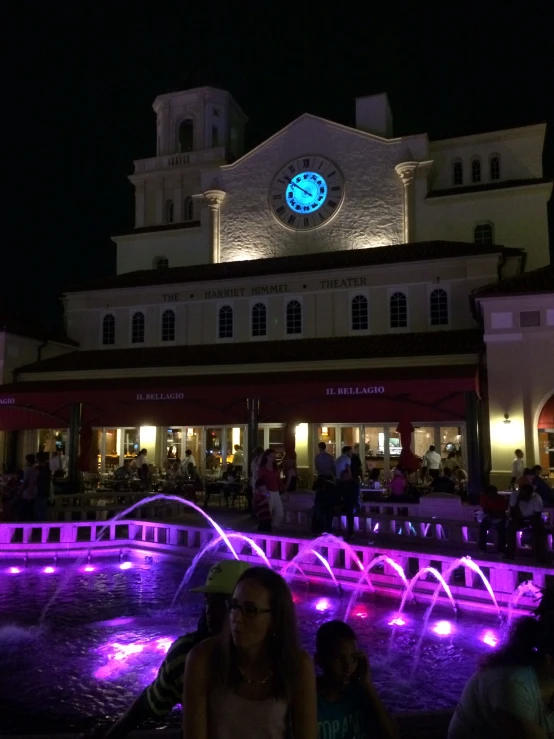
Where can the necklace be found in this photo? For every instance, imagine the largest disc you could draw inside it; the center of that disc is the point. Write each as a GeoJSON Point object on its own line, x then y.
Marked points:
{"type": "Point", "coordinates": [248, 681]}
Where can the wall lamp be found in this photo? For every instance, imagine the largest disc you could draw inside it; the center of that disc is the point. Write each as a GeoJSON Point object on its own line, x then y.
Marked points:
{"type": "Point", "coordinates": [507, 418]}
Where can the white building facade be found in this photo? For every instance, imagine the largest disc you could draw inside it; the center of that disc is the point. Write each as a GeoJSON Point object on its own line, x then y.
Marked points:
{"type": "Point", "coordinates": [322, 279]}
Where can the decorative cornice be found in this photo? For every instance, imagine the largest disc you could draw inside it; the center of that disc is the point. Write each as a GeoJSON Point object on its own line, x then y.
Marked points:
{"type": "Point", "coordinates": [215, 197]}
{"type": "Point", "coordinates": [406, 171]}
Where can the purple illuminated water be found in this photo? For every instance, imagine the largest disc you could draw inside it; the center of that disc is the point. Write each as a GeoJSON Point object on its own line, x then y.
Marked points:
{"type": "Point", "coordinates": [105, 637]}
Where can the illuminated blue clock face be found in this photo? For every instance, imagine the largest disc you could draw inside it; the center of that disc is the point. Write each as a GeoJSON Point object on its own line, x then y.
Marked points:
{"type": "Point", "coordinates": [306, 193]}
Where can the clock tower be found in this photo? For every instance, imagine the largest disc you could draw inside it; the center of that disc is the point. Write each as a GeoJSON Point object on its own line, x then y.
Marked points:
{"type": "Point", "coordinates": [196, 130]}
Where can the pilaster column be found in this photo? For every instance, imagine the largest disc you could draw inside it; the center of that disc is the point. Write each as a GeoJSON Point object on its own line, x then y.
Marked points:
{"type": "Point", "coordinates": [140, 204]}
{"type": "Point", "coordinates": [160, 215]}
{"type": "Point", "coordinates": [215, 198]}
{"type": "Point", "coordinates": [406, 171]}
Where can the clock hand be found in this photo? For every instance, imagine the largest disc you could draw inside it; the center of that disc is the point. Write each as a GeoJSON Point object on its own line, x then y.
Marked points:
{"type": "Point", "coordinates": [309, 194]}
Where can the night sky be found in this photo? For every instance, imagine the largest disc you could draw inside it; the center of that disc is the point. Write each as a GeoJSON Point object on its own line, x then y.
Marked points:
{"type": "Point", "coordinates": [80, 82]}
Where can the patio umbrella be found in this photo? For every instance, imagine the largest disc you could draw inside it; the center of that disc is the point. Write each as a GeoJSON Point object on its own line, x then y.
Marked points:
{"type": "Point", "coordinates": [407, 460]}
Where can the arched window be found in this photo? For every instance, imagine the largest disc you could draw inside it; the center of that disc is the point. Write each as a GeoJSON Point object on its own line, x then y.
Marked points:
{"type": "Point", "coordinates": [188, 209]}
{"type": "Point", "coordinates": [215, 136]}
{"type": "Point", "coordinates": [483, 233]}
{"type": "Point", "coordinates": [137, 328]}
{"type": "Point", "coordinates": [160, 263]}
{"type": "Point", "coordinates": [359, 311]}
{"type": "Point", "coordinates": [186, 136]}
{"type": "Point", "coordinates": [398, 306]}
{"type": "Point", "coordinates": [294, 317]}
{"type": "Point", "coordinates": [259, 320]}
{"type": "Point", "coordinates": [168, 325]}
{"type": "Point", "coordinates": [457, 172]}
{"type": "Point", "coordinates": [108, 330]}
{"type": "Point", "coordinates": [169, 211]}
{"type": "Point", "coordinates": [494, 167]}
{"type": "Point", "coordinates": [438, 303]}
{"type": "Point", "coordinates": [476, 169]}
{"type": "Point", "coordinates": [225, 322]}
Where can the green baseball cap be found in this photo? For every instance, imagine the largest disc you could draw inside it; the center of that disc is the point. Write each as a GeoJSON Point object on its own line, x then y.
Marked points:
{"type": "Point", "coordinates": [223, 577]}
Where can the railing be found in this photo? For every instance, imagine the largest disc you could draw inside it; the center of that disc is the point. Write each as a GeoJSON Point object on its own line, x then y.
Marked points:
{"type": "Point", "coordinates": [177, 540]}
{"type": "Point", "coordinates": [179, 160]}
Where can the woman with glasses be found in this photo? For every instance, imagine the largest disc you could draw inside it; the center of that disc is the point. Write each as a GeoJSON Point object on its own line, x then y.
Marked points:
{"type": "Point", "coordinates": [253, 681]}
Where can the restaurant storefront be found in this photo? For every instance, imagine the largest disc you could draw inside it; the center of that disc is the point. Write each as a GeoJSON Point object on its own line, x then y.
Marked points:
{"type": "Point", "coordinates": [210, 415]}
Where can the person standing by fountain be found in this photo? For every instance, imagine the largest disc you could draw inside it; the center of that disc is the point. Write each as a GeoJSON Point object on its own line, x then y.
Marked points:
{"type": "Point", "coordinates": [260, 504]}
{"type": "Point", "coordinates": [165, 692]}
{"type": "Point", "coordinates": [253, 681]}
{"type": "Point", "coordinates": [269, 475]}
{"type": "Point", "coordinates": [28, 490]}
{"type": "Point", "coordinates": [346, 696]}
{"type": "Point", "coordinates": [512, 695]}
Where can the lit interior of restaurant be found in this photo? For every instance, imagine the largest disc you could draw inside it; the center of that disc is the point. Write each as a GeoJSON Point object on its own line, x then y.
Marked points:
{"type": "Point", "coordinates": [212, 447]}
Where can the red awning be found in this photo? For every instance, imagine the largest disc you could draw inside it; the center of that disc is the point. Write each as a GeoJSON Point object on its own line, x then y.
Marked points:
{"type": "Point", "coordinates": [430, 394]}
{"type": "Point", "coordinates": [546, 419]}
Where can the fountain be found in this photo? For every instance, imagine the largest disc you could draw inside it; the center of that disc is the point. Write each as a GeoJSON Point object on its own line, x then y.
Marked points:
{"type": "Point", "coordinates": [383, 558]}
{"type": "Point", "coordinates": [525, 588]}
{"type": "Point", "coordinates": [122, 514]}
{"type": "Point", "coordinates": [327, 540]}
{"type": "Point", "coordinates": [210, 546]}
{"type": "Point", "coordinates": [442, 584]}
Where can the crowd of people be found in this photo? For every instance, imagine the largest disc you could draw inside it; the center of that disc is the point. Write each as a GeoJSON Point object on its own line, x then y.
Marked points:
{"type": "Point", "coordinates": [27, 492]}
{"type": "Point", "coordinates": [244, 675]}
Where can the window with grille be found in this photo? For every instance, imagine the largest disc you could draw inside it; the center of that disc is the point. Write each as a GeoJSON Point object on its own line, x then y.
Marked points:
{"type": "Point", "coordinates": [439, 307]}
{"type": "Point", "coordinates": [457, 172]}
{"type": "Point", "coordinates": [169, 211]}
{"type": "Point", "coordinates": [161, 262]}
{"type": "Point", "coordinates": [225, 322]}
{"type": "Point", "coordinates": [188, 209]}
{"type": "Point", "coordinates": [360, 317]}
{"type": "Point", "coordinates": [294, 317]}
{"type": "Point", "coordinates": [259, 320]}
{"type": "Point", "coordinates": [476, 169]}
{"type": "Point", "coordinates": [108, 330]}
{"type": "Point", "coordinates": [168, 325]}
{"type": "Point", "coordinates": [137, 328]}
{"type": "Point", "coordinates": [494, 166]}
{"type": "Point", "coordinates": [186, 135]}
{"type": "Point", "coordinates": [529, 318]}
{"type": "Point", "coordinates": [398, 310]}
{"type": "Point", "coordinates": [483, 233]}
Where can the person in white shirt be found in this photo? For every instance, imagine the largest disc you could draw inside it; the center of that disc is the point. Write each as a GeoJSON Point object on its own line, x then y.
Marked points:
{"type": "Point", "coordinates": [526, 508]}
{"type": "Point", "coordinates": [512, 695]}
{"type": "Point", "coordinates": [518, 465]}
{"type": "Point", "coordinates": [58, 464]}
{"type": "Point", "coordinates": [432, 461]}
{"type": "Point", "coordinates": [238, 459]}
{"type": "Point", "coordinates": [189, 464]}
{"type": "Point", "coordinates": [343, 462]}
{"type": "Point", "coordinates": [141, 466]}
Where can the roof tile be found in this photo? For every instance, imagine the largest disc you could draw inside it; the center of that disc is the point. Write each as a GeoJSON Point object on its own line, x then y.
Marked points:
{"type": "Point", "coordinates": [431, 343]}
{"type": "Point", "coordinates": [332, 260]}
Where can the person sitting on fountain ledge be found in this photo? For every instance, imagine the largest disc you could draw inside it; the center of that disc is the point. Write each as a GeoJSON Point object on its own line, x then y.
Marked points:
{"type": "Point", "coordinates": [512, 695]}
{"type": "Point", "coordinates": [166, 690]}
{"type": "Point", "coordinates": [526, 509]}
{"type": "Point", "coordinates": [348, 705]}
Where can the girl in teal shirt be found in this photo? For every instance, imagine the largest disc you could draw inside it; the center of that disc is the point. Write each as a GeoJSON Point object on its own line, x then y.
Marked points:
{"type": "Point", "coordinates": [348, 706]}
